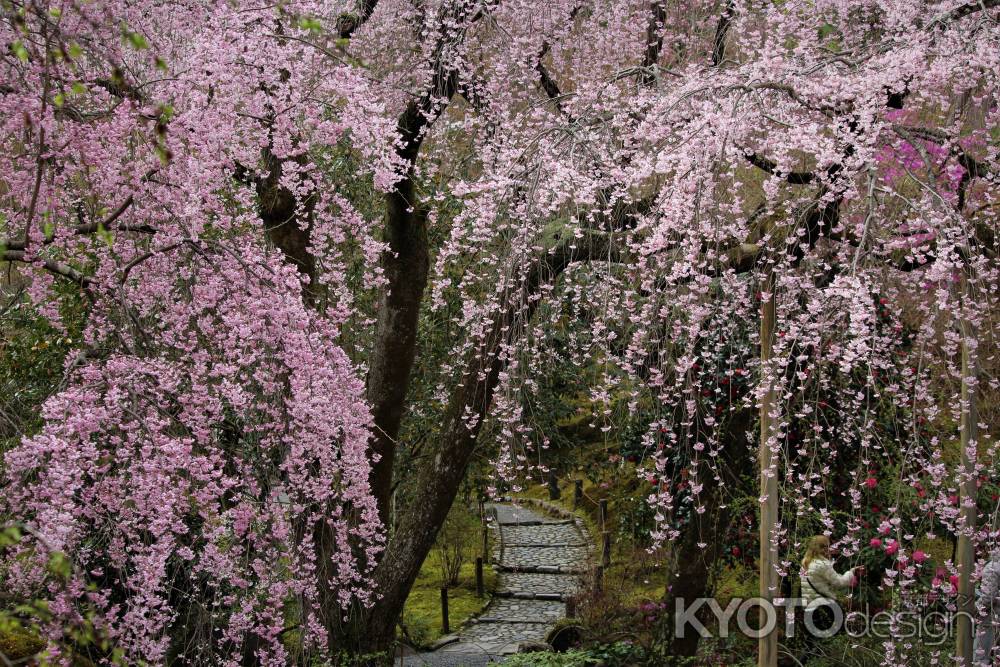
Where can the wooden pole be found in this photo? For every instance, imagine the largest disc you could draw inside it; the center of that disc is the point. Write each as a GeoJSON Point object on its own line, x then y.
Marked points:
{"type": "Point", "coordinates": [486, 543]}
{"type": "Point", "coordinates": [598, 579]}
{"type": "Point", "coordinates": [965, 551]}
{"type": "Point", "coordinates": [606, 551]}
{"type": "Point", "coordinates": [444, 610]}
{"type": "Point", "coordinates": [480, 588]}
{"type": "Point", "coordinates": [554, 492]}
{"type": "Point", "coordinates": [577, 492]}
{"type": "Point", "coordinates": [604, 513]}
{"type": "Point", "coordinates": [767, 648]}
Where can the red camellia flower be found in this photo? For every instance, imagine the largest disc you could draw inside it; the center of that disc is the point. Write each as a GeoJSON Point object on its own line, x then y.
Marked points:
{"type": "Point", "coordinates": [871, 482]}
{"type": "Point", "coordinates": [875, 543]}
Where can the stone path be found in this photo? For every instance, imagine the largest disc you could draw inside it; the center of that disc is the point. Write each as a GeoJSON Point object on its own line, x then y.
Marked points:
{"type": "Point", "coordinates": [539, 561]}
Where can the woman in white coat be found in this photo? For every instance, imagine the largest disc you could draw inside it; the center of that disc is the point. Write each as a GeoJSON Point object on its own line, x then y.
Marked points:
{"type": "Point", "coordinates": [821, 582]}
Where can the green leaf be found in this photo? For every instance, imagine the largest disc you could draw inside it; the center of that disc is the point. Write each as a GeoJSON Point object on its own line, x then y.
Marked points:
{"type": "Point", "coordinates": [78, 88]}
{"type": "Point", "coordinates": [75, 51]}
{"type": "Point", "coordinates": [10, 535]}
{"type": "Point", "coordinates": [311, 24]}
{"type": "Point", "coordinates": [59, 565]}
{"type": "Point", "coordinates": [59, 99]}
{"type": "Point", "coordinates": [136, 40]}
{"type": "Point", "coordinates": [105, 235]}
{"type": "Point", "coordinates": [20, 51]}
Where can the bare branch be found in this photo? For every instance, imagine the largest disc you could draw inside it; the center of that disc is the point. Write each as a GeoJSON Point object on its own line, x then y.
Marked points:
{"type": "Point", "coordinates": [721, 32]}
{"type": "Point", "coordinates": [52, 266]}
{"type": "Point", "coordinates": [348, 24]}
{"type": "Point", "coordinates": [654, 42]}
{"type": "Point", "coordinates": [771, 167]}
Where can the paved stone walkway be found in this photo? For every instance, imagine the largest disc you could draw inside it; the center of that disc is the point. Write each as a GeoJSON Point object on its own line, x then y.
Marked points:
{"type": "Point", "coordinates": [539, 561]}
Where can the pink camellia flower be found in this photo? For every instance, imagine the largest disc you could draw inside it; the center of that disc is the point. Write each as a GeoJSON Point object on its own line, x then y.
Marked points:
{"type": "Point", "coordinates": [936, 582]}
{"type": "Point", "coordinates": [891, 547]}
{"type": "Point", "coordinates": [871, 482]}
{"type": "Point", "coordinates": [875, 543]}
{"type": "Point", "coordinates": [919, 557]}
{"type": "Point", "coordinates": [953, 580]}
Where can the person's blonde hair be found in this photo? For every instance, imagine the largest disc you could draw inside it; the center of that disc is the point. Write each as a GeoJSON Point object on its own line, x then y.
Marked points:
{"type": "Point", "coordinates": [818, 547]}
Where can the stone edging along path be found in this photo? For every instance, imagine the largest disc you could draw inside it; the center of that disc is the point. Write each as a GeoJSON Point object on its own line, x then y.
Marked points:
{"type": "Point", "coordinates": [540, 562]}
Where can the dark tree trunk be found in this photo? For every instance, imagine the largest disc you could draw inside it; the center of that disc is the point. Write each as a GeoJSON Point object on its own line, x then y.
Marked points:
{"type": "Point", "coordinates": [694, 565]}
{"type": "Point", "coordinates": [287, 225]}
{"type": "Point", "coordinates": [405, 264]}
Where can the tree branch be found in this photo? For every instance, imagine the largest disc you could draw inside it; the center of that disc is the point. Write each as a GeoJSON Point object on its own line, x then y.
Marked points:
{"type": "Point", "coordinates": [52, 266]}
{"type": "Point", "coordinates": [348, 24]}
{"type": "Point", "coordinates": [721, 32]}
{"type": "Point", "coordinates": [654, 42]}
{"type": "Point", "coordinates": [771, 167]}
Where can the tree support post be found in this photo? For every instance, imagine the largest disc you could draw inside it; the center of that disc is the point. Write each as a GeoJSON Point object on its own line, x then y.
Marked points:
{"type": "Point", "coordinates": [554, 493]}
{"type": "Point", "coordinates": [767, 648]}
{"type": "Point", "coordinates": [965, 553]}
{"type": "Point", "coordinates": [480, 588]}
{"type": "Point", "coordinates": [444, 610]}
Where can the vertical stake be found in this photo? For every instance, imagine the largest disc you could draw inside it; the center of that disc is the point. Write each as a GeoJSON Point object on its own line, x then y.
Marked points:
{"type": "Point", "coordinates": [444, 610]}
{"type": "Point", "coordinates": [965, 553]}
{"type": "Point", "coordinates": [767, 647]}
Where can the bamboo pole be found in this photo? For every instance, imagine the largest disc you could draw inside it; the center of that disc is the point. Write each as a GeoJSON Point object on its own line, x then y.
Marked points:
{"type": "Point", "coordinates": [965, 552]}
{"type": "Point", "coordinates": [767, 648]}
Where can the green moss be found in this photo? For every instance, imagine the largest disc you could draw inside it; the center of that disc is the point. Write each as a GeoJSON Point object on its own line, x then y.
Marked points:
{"type": "Point", "coordinates": [422, 612]}
{"type": "Point", "coordinates": [18, 644]}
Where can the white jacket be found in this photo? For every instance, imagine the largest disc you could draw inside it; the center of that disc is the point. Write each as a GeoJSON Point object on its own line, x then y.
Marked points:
{"type": "Point", "coordinates": [821, 580]}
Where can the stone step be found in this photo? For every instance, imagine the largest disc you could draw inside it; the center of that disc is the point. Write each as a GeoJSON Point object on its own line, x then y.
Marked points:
{"type": "Point", "coordinates": [541, 569]}
{"type": "Point", "coordinates": [563, 545]}
{"type": "Point", "coordinates": [528, 595]}
{"type": "Point", "coordinates": [535, 522]}
{"type": "Point", "coordinates": [513, 610]}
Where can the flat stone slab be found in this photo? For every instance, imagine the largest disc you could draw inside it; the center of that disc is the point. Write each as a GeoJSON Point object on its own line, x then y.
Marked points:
{"type": "Point", "coordinates": [549, 534]}
{"type": "Point", "coordinates": [448, 659]}
{"type": "Point", "coordinates": [538, 583]}
{"type": "Point", "coordinates": [523, 611]}
{"type": "Point", "coordinates": [509, 514]}
{"type": "Point", "coordinates": [497, 638]}
{"type": "Point", "coordinates": [564, 558]}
